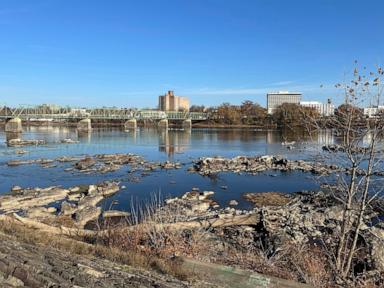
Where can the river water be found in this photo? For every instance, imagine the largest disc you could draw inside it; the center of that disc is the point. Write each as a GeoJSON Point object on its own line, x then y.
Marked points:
{"type": "Point", "coordinates": [160, 145]}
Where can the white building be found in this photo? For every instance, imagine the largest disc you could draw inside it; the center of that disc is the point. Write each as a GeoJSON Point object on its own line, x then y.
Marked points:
{"type": "Point", "coordinates": [373, 111]}
{"type": "Point", "coordinates": [327, 109]}
{"type": "Point", "coordinates": [275, 99]}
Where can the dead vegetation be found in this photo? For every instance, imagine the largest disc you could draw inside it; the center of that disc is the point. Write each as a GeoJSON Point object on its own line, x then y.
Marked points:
{"type": "Point", "coordinates": [91, 248]}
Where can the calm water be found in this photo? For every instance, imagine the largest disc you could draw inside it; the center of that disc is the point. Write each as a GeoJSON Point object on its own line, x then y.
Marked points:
{"type": "Point", "coordinates": [157, 145]}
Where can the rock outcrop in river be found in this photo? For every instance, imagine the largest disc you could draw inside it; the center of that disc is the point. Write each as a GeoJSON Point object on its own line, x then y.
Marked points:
{"type": "Point", "coordinates": [254, 165]}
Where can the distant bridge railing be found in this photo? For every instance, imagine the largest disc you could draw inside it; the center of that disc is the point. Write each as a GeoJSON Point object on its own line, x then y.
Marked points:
{"type": "Point", "coordinates": [27, 113]}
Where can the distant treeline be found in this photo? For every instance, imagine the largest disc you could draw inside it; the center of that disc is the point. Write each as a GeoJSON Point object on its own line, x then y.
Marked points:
{"type": "Point", "coordinates": [285, 115]}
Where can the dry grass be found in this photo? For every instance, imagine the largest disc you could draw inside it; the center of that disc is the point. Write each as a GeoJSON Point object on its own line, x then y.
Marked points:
{"type": "Point", "coordinates": [153, 246]}
{"type": "Point", "coordinates": [60, 220]}
{"type": "Point", "coordinates": [151, 237]}
{"type": "Point", "coordinates": [79, 247]}
{"type": "Point", "coordinates": [306, 264]}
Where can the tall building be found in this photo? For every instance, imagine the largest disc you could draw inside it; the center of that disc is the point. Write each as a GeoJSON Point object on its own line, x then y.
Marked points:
{"type": "Point", "coordinates": [170, 102]}
{"type": "Point", "coordinates": [275, 99]}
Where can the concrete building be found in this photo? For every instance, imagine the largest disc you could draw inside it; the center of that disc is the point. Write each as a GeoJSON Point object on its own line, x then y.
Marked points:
{"type": "Point", "coordinates": [327, 109]}
{"type": "Point", "coordinates": [170, 102]}
{"type": "Point", "coordinates": [373, 111]}
{"type": "Point", "coordinates": [275, 99]}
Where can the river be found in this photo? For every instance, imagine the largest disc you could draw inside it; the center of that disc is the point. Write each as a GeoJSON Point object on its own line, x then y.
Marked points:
{"type": "Point", "coordinates": [161, 145]}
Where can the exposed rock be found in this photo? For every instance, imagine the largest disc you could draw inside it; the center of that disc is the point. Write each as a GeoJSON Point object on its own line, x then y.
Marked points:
{"type": "Point", "coordinates": [29, 198]}
{"type": "Point", "coordinates": [109, 168]}
{"type": "Point", "coordinates": [41, 212]}
{"type": "Point", "coordinates": [85, 163]}
{"type": "Point", "coordinates": [77, 201]}
{"type": "Point", "coordinates": [42, 162]}
{"type": "Point", "coordinates": [233, 203]}
{"type": "Point", "coordinates": [69, 141]}
{"type": "Point", "coordinates": [339, 148]}
{"type": "Point", "coordinates": [194, 195]}
{"type": "Point", "coordinates": [75, 189]}
{"type": "Point", "coordinates": [19, 162]}
{"type": "Point", "coordinates": [261, 199]}
{"type": "Point", "coordinates": [120, 159]}
{"type": "Point", "coordinates": [115, 213]}
{"type": "Point", "coordinates": [286, 143]}
{"type": "Point", "coordinates": [170, 165]}
{"type": "Point", "coordinates": [86, 214]}
{"type": "Point", "coordinates": [67, 159]}
{"type": "Point", "coordinates": [191, 204]}
{"type": "Point", "coordinates": [19, 142]}
{"type": "Point", "coordinates": [102, 163]}
{"type": "Point", "coordinates": [254, 165]}
{"type": "Point", "coordinates": [67, 208]}
{"type": "Point", "coordinates": [16, 189]}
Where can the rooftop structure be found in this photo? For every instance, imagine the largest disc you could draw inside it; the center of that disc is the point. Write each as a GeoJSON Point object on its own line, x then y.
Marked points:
{"type": "Point", "coordinates": [275, 99]}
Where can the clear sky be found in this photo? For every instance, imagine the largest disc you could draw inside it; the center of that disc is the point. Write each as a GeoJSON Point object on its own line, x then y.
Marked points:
{"type": "Point", "coordinates": [126, 53]}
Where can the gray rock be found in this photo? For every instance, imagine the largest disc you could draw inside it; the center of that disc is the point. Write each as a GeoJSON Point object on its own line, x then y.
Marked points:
{"type": "Point", "coordinates": [233, 203]}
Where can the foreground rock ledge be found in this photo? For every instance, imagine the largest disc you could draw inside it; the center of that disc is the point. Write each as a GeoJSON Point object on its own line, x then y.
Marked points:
{"type": "Point", "coordinates": [302, 217]}
{"type": "Point", "coordinates": [78, 204]}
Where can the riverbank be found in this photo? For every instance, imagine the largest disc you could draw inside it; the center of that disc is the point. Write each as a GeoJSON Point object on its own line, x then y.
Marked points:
{"type": "Point", "coordinates": [284, 235]}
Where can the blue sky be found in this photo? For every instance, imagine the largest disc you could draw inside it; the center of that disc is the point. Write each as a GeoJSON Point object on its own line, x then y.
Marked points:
{"type": "Point", "coordinates": [126, 53]}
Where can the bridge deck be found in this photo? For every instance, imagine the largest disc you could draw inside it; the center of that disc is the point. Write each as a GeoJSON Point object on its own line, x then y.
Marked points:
{"type": "Point", "coordinates": [98, 114]}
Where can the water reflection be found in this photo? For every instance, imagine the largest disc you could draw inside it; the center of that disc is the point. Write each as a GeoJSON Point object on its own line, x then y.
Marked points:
{"type": "Point", "coordinates": [174, 141]}
{"type": "Point", "coordinates": [325, 137]}
{"type": "Point", "coordinates": [84, 137]}
{"type": "Point", "coordinates": [12, 135]}
{"type": "Point", "coordinates": [321, 137]}
{"type": "Point", "coordinates": [200, 142]}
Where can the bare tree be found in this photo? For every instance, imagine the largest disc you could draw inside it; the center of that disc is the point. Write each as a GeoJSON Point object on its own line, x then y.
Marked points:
{"type": "Point", "coordinates": [359, 157]}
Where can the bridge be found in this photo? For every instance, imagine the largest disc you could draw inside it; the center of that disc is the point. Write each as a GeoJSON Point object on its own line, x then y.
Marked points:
{"type": "Point", "coordinates": [14, 116]}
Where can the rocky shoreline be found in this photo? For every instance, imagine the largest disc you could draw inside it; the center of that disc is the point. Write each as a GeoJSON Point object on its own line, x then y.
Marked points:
{"type": "Point", "coordinates": [76, 206]}
{"type": "Point", "coordinates": [277, 220]}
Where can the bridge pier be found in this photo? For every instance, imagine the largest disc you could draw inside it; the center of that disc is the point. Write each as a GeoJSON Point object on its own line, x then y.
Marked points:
{"type": "Point", "coordinates": [131, 124]}
{"type": "Point", "coordinates": [163, 124]}
{"type": "Point", "coordinates": [84, 125]}
{"type": "Point", "coordinates": [14, 125]}
{"type": "Point", "coordinates": [187, 123]}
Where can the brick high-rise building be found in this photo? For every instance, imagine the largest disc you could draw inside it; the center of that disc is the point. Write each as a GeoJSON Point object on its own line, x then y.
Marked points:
{"type": "Point", "coordinates": [170, 102]}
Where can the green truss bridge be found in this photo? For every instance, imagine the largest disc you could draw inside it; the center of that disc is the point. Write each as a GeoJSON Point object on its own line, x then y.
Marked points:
{"type": "Point", "coordinates": [14, 116]}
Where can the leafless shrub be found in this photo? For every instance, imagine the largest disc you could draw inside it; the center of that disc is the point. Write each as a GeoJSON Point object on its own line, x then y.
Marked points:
{"type": "Point", "coordinates": [360, 154]}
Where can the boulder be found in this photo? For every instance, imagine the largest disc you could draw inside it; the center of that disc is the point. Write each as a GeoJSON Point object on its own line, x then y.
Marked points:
{"type": "Point", "coordinates": [86, 163]}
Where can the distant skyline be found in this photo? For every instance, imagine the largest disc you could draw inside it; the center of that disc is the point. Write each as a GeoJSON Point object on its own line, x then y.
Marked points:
{"type": "Point", "coordinates": [126, 53]}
